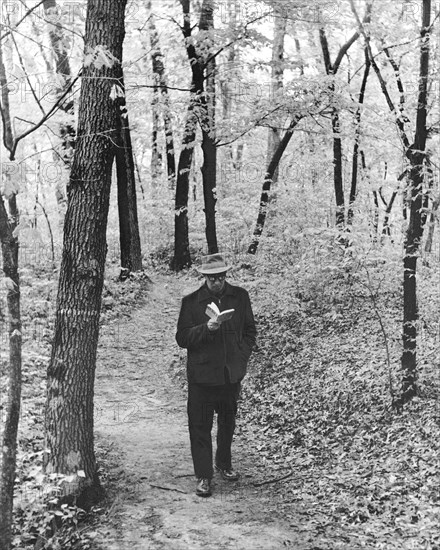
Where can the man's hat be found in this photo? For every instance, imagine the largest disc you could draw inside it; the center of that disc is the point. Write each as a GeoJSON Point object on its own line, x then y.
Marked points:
{"type": "Point", "coordinates": [212, 264]}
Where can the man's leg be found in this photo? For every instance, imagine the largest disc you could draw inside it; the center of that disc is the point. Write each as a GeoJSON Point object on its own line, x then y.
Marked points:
{"type": "Point", "coordinates": [200, 415]}
{"type": "Point", "coordinates": [227, 410]}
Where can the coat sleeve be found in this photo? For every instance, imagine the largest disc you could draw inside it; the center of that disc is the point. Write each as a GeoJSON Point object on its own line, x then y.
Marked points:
{"type": "Point", "coordinates": [188, 334]}
{"type": "Point", "coordinates": [249, 330]}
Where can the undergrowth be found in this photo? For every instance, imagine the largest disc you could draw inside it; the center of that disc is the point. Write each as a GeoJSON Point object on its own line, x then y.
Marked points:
{"type": "Point", "coordinates": [317, 402]}
{"type": "Point", "coordinates": [40, 522]}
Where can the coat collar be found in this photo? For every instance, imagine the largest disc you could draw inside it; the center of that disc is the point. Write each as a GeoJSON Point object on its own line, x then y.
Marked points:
{"type": "Point", "coordinates": [205, 295]}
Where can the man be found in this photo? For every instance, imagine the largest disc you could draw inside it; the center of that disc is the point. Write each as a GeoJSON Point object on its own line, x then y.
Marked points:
{"type": "Point", "coordinates": [217, 359]}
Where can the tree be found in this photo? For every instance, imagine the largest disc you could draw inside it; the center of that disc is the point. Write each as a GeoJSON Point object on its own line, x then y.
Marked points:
{"type": "Point", "coordinates": [207, 108]}
{"type": "Point", "coordinates": [264, 200]}
{"type": "Point", "coordinates": [71, 370]}
{"type": "Point", "coordinates": [331, 69]}
{"type": "Point", "coordinates": [277, 68]}
{"type": "Point", "coordinates": [58, 41]}
{"type": "Point", "coordinates": [416, 154]}
{"type": "Point", "coordinates": [129, 239]}
{"type": "Point", "coordinates": [9, 247]}
{"type": "Point", "coordinates": [161, 84]}
{"type": "Point", "coordinates": [356, 146]}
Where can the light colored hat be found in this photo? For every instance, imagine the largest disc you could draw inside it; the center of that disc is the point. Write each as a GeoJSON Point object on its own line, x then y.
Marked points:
{"type": "Point", "coordinates": [212, 264]}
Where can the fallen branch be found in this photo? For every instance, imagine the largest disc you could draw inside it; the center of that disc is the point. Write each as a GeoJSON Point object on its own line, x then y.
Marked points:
{"type": "Point", "coordinates": [261, 483]}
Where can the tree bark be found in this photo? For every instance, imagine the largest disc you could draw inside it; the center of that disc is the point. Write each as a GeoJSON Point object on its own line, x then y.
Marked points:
{"type": "Point", "coordinates": [129, 239]}
{"type": "Point", "coordinates": [416, 156]}
{"type": "Point", "coordinates": [431, 226]}
{"type": "Point", "coordinates": [156, 157]}
{"type": "Point", "coordinates": [209, 147]}
{"type": "Point", "coordinates": [9, 246]}
{"type": "Point", "coordinates": [182, 257]}
{"type": "Point", "coordinates": [71, 371]}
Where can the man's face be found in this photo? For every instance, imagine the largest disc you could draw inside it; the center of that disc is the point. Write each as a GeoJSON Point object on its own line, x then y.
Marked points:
{"type": "Point", "coordinates": [216, 283]}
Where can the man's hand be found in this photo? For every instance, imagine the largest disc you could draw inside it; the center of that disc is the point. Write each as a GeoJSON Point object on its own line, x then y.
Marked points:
{"type": "Point", "coordinates": [213, 325]}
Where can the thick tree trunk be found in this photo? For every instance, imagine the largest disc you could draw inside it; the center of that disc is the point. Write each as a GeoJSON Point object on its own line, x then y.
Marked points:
{"type": "Point", "coordinates": [129, 239]}
{"type": "Point", "coordinates": [416, 156]}
{"type": "Point", "coordinates": [9, 246]}
{"type": "Point", "coordinates": [264, 200]}
{"type": "Point", "coordinates": [71, 371]}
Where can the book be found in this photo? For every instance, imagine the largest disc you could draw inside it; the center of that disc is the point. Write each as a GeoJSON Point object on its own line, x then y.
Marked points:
{"type": "Point", "coordinates": [213, 312]}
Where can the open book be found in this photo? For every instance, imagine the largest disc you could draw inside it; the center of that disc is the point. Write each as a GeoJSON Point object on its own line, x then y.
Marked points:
{"type": "Point", "coordinates": [215, 314]}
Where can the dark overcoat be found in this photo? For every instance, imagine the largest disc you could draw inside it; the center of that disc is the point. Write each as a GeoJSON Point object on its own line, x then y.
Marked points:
{"type": "Point", "coordinates": [209, 352]}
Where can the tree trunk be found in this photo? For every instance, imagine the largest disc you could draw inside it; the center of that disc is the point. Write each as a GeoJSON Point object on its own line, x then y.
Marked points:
{"type": "Point", "coordinates": [9, 245]}
{"type": "Point", "coordinates": [182, 257]}
{"type": "Point", "coordinates": [331, 69]}
{"type": "Point", "coordinates": [161, 81]}
{"type": "Point", "coordinates": [386, 221]}
{"type": "Point", "coordinates": [156, 157]}
{"type": "Point", "coordinates": [337, 171]}
{"type": "Point", "coordinates": [355, 158]}
{"type": "Point", "coordinates": [416, 156]}
{"type": "Point", "coordinates": [67, 128]}
{"type": "Point", "coordinates": [262, 213]}
{"type": "Point", "coordinates": [277, 68]}
{"type": "Point", "coordinates": [209, 148]}
{"type": "Point", "coordinates": [71, 371]}
{"type": "Point", "coordinates": [130, 242]}
{"type": "Point", "coordinates": [431, 226]}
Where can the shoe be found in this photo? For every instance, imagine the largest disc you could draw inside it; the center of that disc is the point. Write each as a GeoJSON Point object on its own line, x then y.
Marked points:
{"type": "Point", "coordinates": [229, 474]}
{"type": "Point", "coordinates": [203, 488]}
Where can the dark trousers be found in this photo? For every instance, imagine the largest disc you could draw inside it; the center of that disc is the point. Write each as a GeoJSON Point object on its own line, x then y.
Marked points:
{"type": "Point", "coordinates": [203, 401]}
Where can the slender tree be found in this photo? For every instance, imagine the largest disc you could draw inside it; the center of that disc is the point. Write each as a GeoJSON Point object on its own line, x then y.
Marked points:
{"type": "Point", "coordinates": [331, 69]}
{"type": "Point", "coordinates": [61, 53]}
{"type": "Point", "coordinates": [264, 200]}
{"type": "Point", "coordinates": [9, 247]}
{"type": "Point", "coordinates": [356, 146]}
{"type": "Point", "coordinates": [71, 371]}
{"type": "Point", "coordinates": [162, 99]}
{"type": "Point", "coordinates": [129, 238]}
{"type": "Point", "coordinates": [277, 69]}
{"type": "Point", "coordinates": [206, 97]}
{"type": "Point", "coordinates": [416, 155]}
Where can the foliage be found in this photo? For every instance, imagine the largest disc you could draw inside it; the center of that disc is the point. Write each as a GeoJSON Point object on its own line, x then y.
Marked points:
{"type": "Point", "coordinates": [318, 403]}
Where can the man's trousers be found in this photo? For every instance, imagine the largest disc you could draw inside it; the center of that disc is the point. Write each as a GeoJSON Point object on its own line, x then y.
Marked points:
{"type": "Point", "coordinates": [203, 401]}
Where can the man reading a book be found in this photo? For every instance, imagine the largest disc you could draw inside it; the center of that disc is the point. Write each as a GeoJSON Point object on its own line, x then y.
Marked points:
{"type": "Point", "coordinates": [216, 326]}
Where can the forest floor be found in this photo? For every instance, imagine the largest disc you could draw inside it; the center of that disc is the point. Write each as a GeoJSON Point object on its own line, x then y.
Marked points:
{"type": "Point", "coordinates": [325, 461]}
{"type": "Point", "coordinates": [141, 421]}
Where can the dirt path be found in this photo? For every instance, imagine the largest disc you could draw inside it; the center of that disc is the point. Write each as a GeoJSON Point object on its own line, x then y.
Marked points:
{"type": "Point", "coordinates": [141, 412]}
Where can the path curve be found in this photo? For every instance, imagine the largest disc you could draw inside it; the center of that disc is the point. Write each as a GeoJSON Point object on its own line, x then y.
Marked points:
{"type": "Point", "coordinates": [141, 411]}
